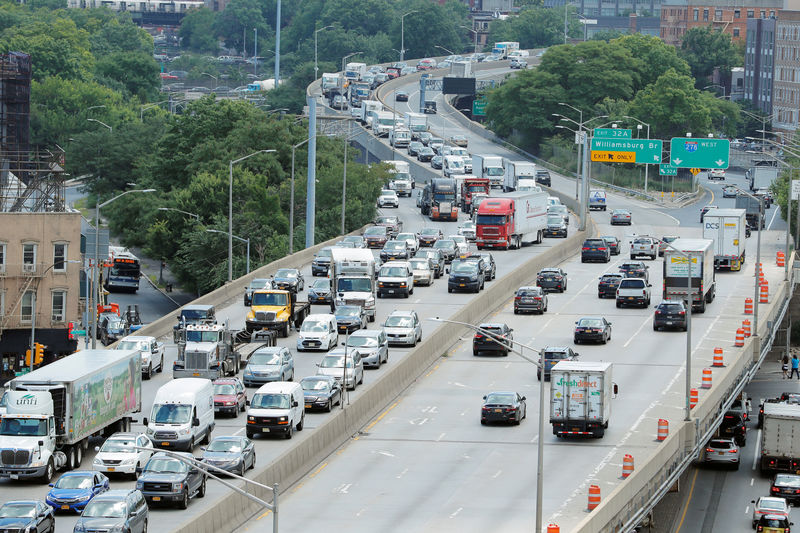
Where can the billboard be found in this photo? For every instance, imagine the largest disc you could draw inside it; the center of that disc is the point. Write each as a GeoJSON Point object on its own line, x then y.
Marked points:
{"type": "Point", "coordinates": [458, 86]}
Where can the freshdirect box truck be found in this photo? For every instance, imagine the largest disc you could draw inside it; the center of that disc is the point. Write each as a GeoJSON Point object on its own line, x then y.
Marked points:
{"type": "Point", "coordinates": [580, 398]}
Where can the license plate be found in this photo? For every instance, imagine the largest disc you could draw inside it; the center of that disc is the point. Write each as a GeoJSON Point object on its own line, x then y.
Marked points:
{"type": "Point", "coordinates": [111, 468]}
{"type": "Point", "coordinates": [527, 300]}
{"type": "Point", "coordinates": [391, 291]}
{"type": "Point", "coordinates": [156, 498]}
{"type": "Point", "coordinates": [265, 430]}
{"type": "Point", "coordinates": [721, 453]}
{"type": "Point", "coordinates": [498, 410]}
{"type": "Point", "coordinates": [461, 285]}
{"type": "Point", "coordinates": [321, 298]}
{"type": "Point", "coordinates": [630, 298]}
{"type": "Point", "coordinates": [65, 507]}
{"type": "Point", "coordinates": [13, 476]}
{"type": "Point", "coordinates": [165, 443]}
{"type": "Point", "coordinates": [669, 323]}
{"type": "Point", "coordinates": [308, 406]}
{"type": "Point", "coordinates": [195, 373]}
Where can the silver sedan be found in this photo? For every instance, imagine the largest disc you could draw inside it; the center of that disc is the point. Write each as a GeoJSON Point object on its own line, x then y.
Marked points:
{"type": "Point", "coordinates": [423, 273]}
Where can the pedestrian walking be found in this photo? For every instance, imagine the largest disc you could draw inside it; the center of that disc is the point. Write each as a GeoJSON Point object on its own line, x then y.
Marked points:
{"type": "Point", "coordinates": [785, 367]}
{"type": "Point", "coordinates": [795, 367]}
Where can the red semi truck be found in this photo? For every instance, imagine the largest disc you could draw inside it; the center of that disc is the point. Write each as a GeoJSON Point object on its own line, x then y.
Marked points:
{"type": "Point", "coordinates": [509, 221]}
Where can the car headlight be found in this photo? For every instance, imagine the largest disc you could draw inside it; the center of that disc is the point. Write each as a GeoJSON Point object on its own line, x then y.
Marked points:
{"type": "Point", "coordinates": [79, 528]}
{"type": "Point", "coordinates": [139, 485]}
{"type": "Point", "coordinates": [473, 278]}
{"type": "Point", "coordinates": [117, 529]}
{"type": "Point", "coordinates": [185, 431]}
{"type": "Point", "coordinates": [177, 487]}
{"type": "Point", "coordinates": [247, 371]}
{"type": "Point", "coordinates": [97, 461]}
{"type": "Point", "coordinates": [251, 315]}
{"type": "Point", "coordinates": [370, 301]}
{"type": "Point", "coordinates": [129, 461]}
{"type": "Point", "coordinates": [149, 432]}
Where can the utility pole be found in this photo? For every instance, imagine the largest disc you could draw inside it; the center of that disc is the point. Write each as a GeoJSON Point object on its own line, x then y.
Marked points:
{"type": "Point", "coordinates": [278, 45]}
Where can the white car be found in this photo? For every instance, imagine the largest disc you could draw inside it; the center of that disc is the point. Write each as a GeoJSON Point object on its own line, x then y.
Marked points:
{"type": "Point", "coordinates": [423, 273]}
{"type": "Point", "coordinates": [403, 327]}
{"type": "Point", "coordinates": [119, 455]}
{"type": "Point", "coordinates": [318, 332]}
{"type": "Point", "coordinates": [467, 229]}
{"type": "Point", "coordinates": [151, 350]}
{"type": "Point", "coordinates": [333, 365]}
{"type": "Point", "coordinates": [461, 244]}
{"type": "Point", "coordinates": [769, 505]}
{"type": "Point", "coordinates": [716, 174]}
{"type": "Point", "coordinates": [388, 198]}
{"type": "Point", "coordinates": [552, 200]}
{"type": "Point", "coordinates": [412, 241]}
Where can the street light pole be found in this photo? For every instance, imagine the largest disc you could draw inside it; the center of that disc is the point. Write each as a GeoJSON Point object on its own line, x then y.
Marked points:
{"type": "Point", "coordinates": [101, 123]}
{"type": "Point", "coordinates": [646, 165]}
{"type": "Point", "coordinates": [344, 177]}
{"type": "Point", "coordinates": [316, 68]}
{"type": "Point", "coordinates": [403, 35]}
{"type": "Point", "coordinates": [196, 217]}
{"type": "Point", "coordinates": [278, 45]}
{"type": "Point", "coordinates": [247, 241]}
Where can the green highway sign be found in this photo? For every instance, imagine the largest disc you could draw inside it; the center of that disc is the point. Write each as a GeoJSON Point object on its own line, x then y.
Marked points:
{"type": "Point", "coordinates": [479, 107]}
{"type": "Point", "coordinates": [641, 150]}
{"type": "Point", "coordinates": [667, 170]}
{"type": "Point", "coordinates": [612, 133]}
{"type": "Point", "coordinates": [699, 152]}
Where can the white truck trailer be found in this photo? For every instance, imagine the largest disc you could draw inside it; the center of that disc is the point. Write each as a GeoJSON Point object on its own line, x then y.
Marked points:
{"type": "Point", "coordinates": [489, 166]}
{"type": "Point", "coordinates": [53, 411]}
{"type": "Point", "coordinates": [580, 398]}
{"type": "Point", "coordinates": [703, 280]}
{"type": "Point", "coordinates": [353, 278]}
{"type": "Point", "coordinates": [368, 107]}
{"type": "Point", "coordinates": [417, 123]}
{"type": "Point", "coordinates": [761, 177]}
{"type": "Point", "coordinates": [780, 438]}
{"type": "Point", "coordinates": [726, 227]}
{"type": "Point", "coordinates": [516, 171]}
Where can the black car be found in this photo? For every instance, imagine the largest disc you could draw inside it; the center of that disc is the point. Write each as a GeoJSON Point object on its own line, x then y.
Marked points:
{"type": "Point", "coordinates": [400, 96]}
{"type": "Point", "coordinates": [112, 328]}
{"type": "Point", "coordinates": [321, 392]}
{"type": "Point", "coordinates": [257, 284]}
{"type": "Point", "coordinates": [393, 251]}
{"type": "Point", "coordinates": [607, 286]}
{"type": "Point", "coordinates": [530, 299]}
{"type": "Point", "coordinates": [555, 227]}
{"type": "Point", "coordinates": [429, 236]}
{"type": "Point", "coordinates": [166, 479]}
{"type": "Point", "coordinates": [491, 270]}
{"type": "Point", "coordinates": [733, 425]}
{"type": "Point", "coordinates": [635, 269]}
{"type": "Point", "coordinates": [786, 486]}
{"type": "Point", "coordinates": [425, 154]}
{"type": "Point", "coordinates": [490, 337]}
{"type": "Point", "coordinates": [27, 515]}
{"type": "Point", "coordinates": [319, 292]}
{"type": "Point", "coordinates": [613, 244]}
{"type": "Point", "coordinates": [448, 249]}
{"type": "Point", "coordinates": [414, 147]}
{"type": "Point", "coordinates": [593, 329]}
{"type": "Point", "coordinates": [508, 407]}
{"type": "Point", "coordinates": [234, 454]}
{"type": "Point", "coordinates": [670, 314]}
{"type": "Point", "coordinates": [482, 265]}
{"type": "Point", "coordinates": [465, 276]}
{"type": "Point", "coordinates": [542, 177]}
{"type": "Point", "coordinates": [595, 250]}
{"type": "Point", "coordinates": [773, 523]}
{"type": "Point", "coordinates": [288, 279]}
{"type": "Point", "coordinates": [552, 279]}
{"type": "Point", "coordinates": [437, 161]}
{"type": "Point", "coordinates": [321, 262]}
{"type": "Point", "coordinates": [552, 355]}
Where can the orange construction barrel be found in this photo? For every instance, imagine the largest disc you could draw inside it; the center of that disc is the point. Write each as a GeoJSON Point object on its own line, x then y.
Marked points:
{"type": "Point", "coordinates": [781, 259]}
{"type": "Point", "coordinates": [627, 466]}
{"type": "Point", "coordinates": [706, 379]}
{"type": "Point", "coordinates": [594, 496]}
{"type": "Point", "coordinates": [746, 328]}
{"type": "Point", "coordinates": [739, 338]}
{"type": "Point", "coordinates": [693, 397]}
{"type": "Point", "coordinates": [718, 361]}
{"type": "Point", "coordinates": [663, 429]}
{"type": "Point", "coordinates": [764, 299]}
{"type": "Point", "coordinates": [553, 528]}
{"type": "Point", "coordinates": [748, 306]}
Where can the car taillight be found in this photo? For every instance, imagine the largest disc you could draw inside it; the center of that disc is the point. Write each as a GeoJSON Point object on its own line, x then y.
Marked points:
{"type": "Point", "coordinates": [644, 293]}
{"type": "Point", "coordinates": [682, 313]}
{"type": "Point", "coordinates": [709, 450]}
{"type": "Point", "coordinates": [735, 450]}
{"type": "Point", "coordinates": [511, 409]}
{"type": "Point", "coordinates": [658, 312]}
{"type": "Point", "coordinates": [478, 336]}
{"type": "Point", "coordinates": [774, 489]}
{"type": "Point", "coordinates": [537, 298]}
{"type": "Point", "coordinates": [585, 248]}
{"type": "Point", "coordinates": [517, 297]}
{"type": "Point", "coordinates": [603, 249]}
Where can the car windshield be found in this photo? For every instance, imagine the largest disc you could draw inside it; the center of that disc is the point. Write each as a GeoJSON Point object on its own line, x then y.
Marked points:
{"type": "Point", "coordinates": [28, 427]}
{"type": "Point", "coordinates": [271, 299]}
{"type": "Point", "coordinates": [321, 284]}
{"type": "Point", "coordinates": [190, 314]}
{"type": "Point", "coordinates": [406, 237]}
{"type": "Point", "coordinates": [354, 285]}
{"type": "Point", "coordinates": [609, 239]}
{"type": "Point", "coordinates": [490, 220]}
{"type": "Point", "coordinates": [642, 241]}
{"type": "Point", "coordinates": [590, 323]}
{"type": "Point", "coordinates": [18, 510]}
{"type": "Point", "coordinates": [620, 212]}
{"type": "Point", "coordinates": [171, 413]}
{"type": "Point", "coordinates": [313, 384]}
{"type": "Point", "coordinates": [105, 509]}
{"type": "Point", "coordinates": [464, 267]}
{"type": "Point", "coordinates": [166, 465]}
{"type": "Point", "coordinates": [458, 238]}
{"type": "Point", "coordinates": [500, 398]}
{"type": "Point", "coordinates": [202, 336]}
{"type": "Point", "coordinates": [399, 322]}
{"type": "Point", "coordinates": [286, 273]}
{"type": "Point", "coordinates": [555, 355]}
{"type": "Point", "coordinates": [557, 209]}
{"type": "Point", "coordinates": [225, 445]}
{"type": "Point", "coordinates": [360, 341]}
{"type": "Point", "coordinates": [315, 326]}
{"type": "Point", "coordinates": [420, 265]}
{"type": "Point", "coordinates": [75, 482]}
{"type": "Point", "coordinates": [555, 219]}
{"type": "Point", "coordinates": [270, 401]}
{"type": "Point", "coordinates": [118, 446]}
{"type": "Point", "coordinates": [265, 358]}
{"type": "Point", "coordinates": [259, 284]}
{"type": "Point", "coordinates": [527, 292]}
{"type": "Point", "coordinates": [348, 311]}
{"type": "Point", "coordinates": [335, 361]}
{"type": "Point", "coordinates": [777, 505]}
{"type": "Point", "coordinates": [385, 192]}
{"type": "Point", "coordinates": [395, 245]}
{"type": "Point", "coordinates": [444, 243]}
{"type": "Point", "coordinates": [114, 322]}
{"type": "Point", "coordinates": [432, 232]}
{"type": "Point", "coordinates": [787, 480]}
{"type": "Point", "coordinates": [375, 230]}
{"type": "Point", "coordinates": [394, 272]}
{"type": "Point", "coordinates": [224, 389]}
{"type": "Point", "coordinates": [670, 308]}
{"type": "Point", "coordinates": [611, 277]}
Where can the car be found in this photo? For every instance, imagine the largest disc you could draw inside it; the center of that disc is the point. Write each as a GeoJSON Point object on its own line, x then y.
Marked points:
{"type": "Point", "coordinates": [620, 216]}
{"type": "Point", "coordinates": [111, 328]}
{"type": "Point", "coordinates": [254, 285]}
{"type": "Point", "coordinates": [27, 515]}
{"type": "Point", "coordinates": [633, 291]}
{"type": "Point", "coordinates": [344, 244]}
{"type": "Point", "coordinates": [595, 249]}
{"type": "Point", "coordinates": [462, 246]}
{"type": "Point", "coordinates": [436, 259]}
{"type": "Point", "coordinates": [742, 406]}
{"type": "Point", "coordinates": [235, 454]}
{"type": "Point", "coordinates": [403, 327]}
{"type": "Point", "coordinates": [411, 240]}
{"type": "Point", "coordinates": [357, 240]}
{"type": "Point", "coordinates": [465, 276]}
{"type": "Point", "coordinates": [423, 271]}
{"type": "Point", "coordinates": [152, 352]}
{"type": "Point", "coordinates": [448, 249]}
{"type": "Point", "coordinates": [73, 490]}
{"type": "Point", "coordinates": [414, 148]}
{"type": "Point", "coordinates": [772, 523]}
{"type": "Point", "coordinates": [716, 174]}
{"type": "Point", "coordinates": [268, 364]}
{"type": "Point", "coordinates": [229, 396]}
{"type": "Point", "coordinates": [559, 209]}
{"type": "Point", "coordinates": [555, 226]}
{"type": "Point", "coordinates": [321, 392]}
{"type": "Point", "coordinates": [491, 266]}
{"type": "Point", "coordinates": [662, 244]}
{"type": "Point", "coordinates": [704, 210]}
{"type": "Point", "coordinates": [392, 222]}
{"type": "Point", "coordinates": [733, 425]}
{"type": "Point", "coordinates": [492, 337]}
{"type": "Point", "coordinates": [166, 479]}
{"type": "Point", "coordinates": [769, 505]}
{"type": "Point", "coordinates": [119, 454]}
{"type": "Point", "coordinates": [429, 236]}
{"type": "Point", "coordinates": [115, 510]}
{"type": "Point", "coordinates": [400, 96]}
{"type": "Point", "coordinates": [635, 269]}
{"type": "Point", "coordinates": [377, 236]}
{"type": "Point", "coordinates": [478, 259]}
{"type": "Point", "coordinates": [670, 314]}
{"type": "Point", "coordinates": [613, 244]}
{"type": "Point", "coordinates": [322, 261]}
{"type": "Point", "coordinates": [436, 143]}
{"type": "Point", "coordinates": [508, 407]}
{"type": "Point", "coordinates": [607, 286]}
{"type": "Point", "coordinates": [646, 246]}
{"type": "Point", "coordinates": [343, 365]}
{"type": "Point", "coordinates": [459, 140]}
{"type": "Point", "coordinates": [437, 161]}
{"type": "Point", "coordinates": [372, 345]}
{"type": "Point", "coordinates": [722, 451]}
{"type": "Point", "coordinates": [424, 137]}
{"type": "Point", "coordinates": [388, 198]}
{"type": "Point", "coordinates": [786, 486]}
{"type": "Point", "coordinates": [530, 299]}
{"type": "Point", "coordinates": [394, 250]}
{"type": "Point", "coordinates": [425, 154]}
{"type": "Point", "coordinates": [552, 355]}
{"type": "Point", "coordinates": [518, 63]}
{"type": "Point", "coordinates": [288, 279]}
{"type": "Point", "coordinates": [467, 230]}
{"type": "Point", "coordinates": [730, 191]}
{"type": "Point", "coordinates": [350, 318]}
{"type": "Point", "coordinates": [593, 329]}
{"type": "Point", "coordinates": [319, 292]}
{"type": "Point", "coordinates": [339, 102]}
{"type": "Point", "coordinates": [407, 70]}
{"type": "Point", "coordinates": [552, 278]}
{"type": "Point", "coordinates": [765, 195]}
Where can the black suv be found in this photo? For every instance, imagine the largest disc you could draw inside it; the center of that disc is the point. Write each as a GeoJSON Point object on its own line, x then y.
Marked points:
{"type": "Point", "coordinates": [484, 343]}
{"type": "Point", "coordinates": [670, 314]}
{"type": "Point", "coordinates": [635, 269]}
{"type": "Point", "coordinates": [465, 276]}
{"type": "Point", "coordinates": [543, 177]}
{"type": "Point", "coordinates": [607, 286]}
{"type": "Point", "coordinates": [321, 262]}
{"type": "Point", "coordinates": [552, 355]}
{"type": "Point", "coordinates": [167, 479]}
{"type": "Point", "coordinates": [595, 250]}
{"type": "Point", "coordinates": [733, 426]}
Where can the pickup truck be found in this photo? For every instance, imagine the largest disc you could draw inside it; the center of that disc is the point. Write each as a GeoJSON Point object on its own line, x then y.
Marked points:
{"type": "Point", "coordinates": [633, 291]}
{"type": "Point", "coordinates": [644, 246]}
{"type": "Point", "coordinates": [276, 310]}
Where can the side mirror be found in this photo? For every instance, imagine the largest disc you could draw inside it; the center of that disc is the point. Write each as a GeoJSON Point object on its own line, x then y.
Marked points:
{"type": "Point", "coordinates": [294, 403]}
{"type": "Point", "coordinates": [752, 501]}
{"type": "Point", "coordinates": [178, 317]}
{"type": "Point", "coordinates": [616, 389]}
{"type": "Point", "coordinates": [523, 398]}
{"type": "Point", "coordinates": [203, 448]}
{"type": "Point", "coordinates": [41, 443]}
{"type": "Point", "coordinates": [649, 285]}
{"type": "Point", "coordinates": [484, 397]}
{"type": "Point", "coordinates": [195, 422]}
{"type": "Point", "coordinates": [139, 470]}
{"type": "Point", "coordinates": [510, 330]}
{"type": "Point", "coordinates": [52, 484]}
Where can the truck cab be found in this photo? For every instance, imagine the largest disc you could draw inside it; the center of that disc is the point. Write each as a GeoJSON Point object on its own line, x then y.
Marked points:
{"type": "Point", "coordinates": [276, 310]}
{"type": "Point", "coordinates": [194, 314]}
{"type": "Point", "coordinates": [206, 351]}
{"type": "Point", "coordinates": [472, 186]}
{"type": "Point", "coordinates": [399, 137]}
{"type": "Point", "coordinates": [353, 278]}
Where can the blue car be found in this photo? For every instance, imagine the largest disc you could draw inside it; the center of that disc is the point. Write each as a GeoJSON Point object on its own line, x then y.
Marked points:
{"type": "Point", "coordinates": [74, 490]}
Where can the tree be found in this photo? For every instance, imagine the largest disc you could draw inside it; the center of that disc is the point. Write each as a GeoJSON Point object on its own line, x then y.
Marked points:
{"type": "Point", "coordinates": [655, 57]}
{"type": "Point", "coordinates": [705, 50]}
{"type": "Point", "coordinates": [134, 74]}
{"type": "Point", "coordinates": [535, 27]}
{"type": "Point", "coordinates": [238, 20]}
{"type": "Point", "coordinates": [197, 31]}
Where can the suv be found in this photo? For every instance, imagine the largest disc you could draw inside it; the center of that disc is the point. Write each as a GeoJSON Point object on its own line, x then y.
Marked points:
{"type": "Point", "coordinates": [321, 262]}
{"type": "Point", "coordinates": [733, 426]}
{"type": "Point", "coordinates": [633, 291]}
{"type": "Point", "coordinates": [635, 269]}
{"type": "Point", "coordinates": [115, 510]}
{"type": "Point", "coordinates": [395, 278]}
{"type": "Point", "coordinates": [595, 250]}
{"type": "Point", "coordinates": [530, 299]}
{"type": "Point", "coordinates": [552, 278]}
{"type": "Point", "coordinates": [394, 224]}
{"type": "Point", "coordinates": [607, 286]}
{"type": "Point", "coordinates": [167, 479]}
{"type": "Point", "coordinates": [670, 314]}
{"type": "Point", "coordinates": [716, 174]}
{"type": "Point", "coordinates": [552, 355]}
{"type": "Point", "coordinates": [644, 246]}
{"type": "Point", "coordinates": [466, 276]}
{"type": "Point", "coordinates": [482, 342]}
{"type": "Point", "coordinates": [543, 177]}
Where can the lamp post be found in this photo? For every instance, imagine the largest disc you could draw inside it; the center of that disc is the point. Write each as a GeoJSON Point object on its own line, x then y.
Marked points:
{"type": "Point", "coordinates": [540, 441]}
{"type": "Point", "coordinates": [646, 165]}
{"type": "Point", "coordinates": [344, 176]}
{"type": "Point", "coordinates": [212, 77]}
{"type": "Point", "coordinates": [476, 37]}
{"type": "Point", "coordinates": [95, 294]}
{"type": "Point", "coordinates": [403, 34]}
{"type": "Point", "coordinates": [278, 44]}
{"type": "Point", "coordinates": [764, 119]}
{"type": "Point", "coordinates": [230, 205]}
{"type": "Point", "coordinates": [33, 310]}
{"type": "Point", "coordinates": [716, 85]}
{"type": "Point", "coordinates": [142, 108]}
{"type": "Point", "coordinates": [316, 68]}
{"type": "Point", "coordinates": [247, 241]}
{"type": "Point", "coordinates": [101, 122]}
{"type": "Point", "coordinates": [197, 217]}
{"type": "Point", "coordinates": [756, 285]}
{"type": "Point", "coordinates": [580, 145]}
{"type": "Point", "coordinates": [446, 50]}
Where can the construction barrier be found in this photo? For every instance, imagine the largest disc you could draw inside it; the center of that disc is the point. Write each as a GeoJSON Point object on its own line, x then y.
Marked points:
{"type": "Point", "coordinates": [594, 496]}
{"type": "Point", "coordinates": [718, 361]}
{"type": "Point", "coordinates": [663, 429]}
{"type": "Point", "coordinates": [748, 306]}
{"type": "Point", "coordinates": [693, 397]}
{"type": "Point", "coordinates": [739, 338]}
{"type": "Point", "coordinates": [781, 259]}
{"type": "Point", "coordinates": [746, 328]}
{"type": "Point", "coordinates": [764, 292]}
{"type": "Point", "coordinates": [553, 528]}
{"type": "Point", "coordinates": [627, 466]}
{"type": "Point", "coordinates": [706, 379]}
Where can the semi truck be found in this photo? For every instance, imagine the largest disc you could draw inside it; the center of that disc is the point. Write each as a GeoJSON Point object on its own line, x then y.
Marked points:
{"type": "Point", "coordinates": [580, 398]}
{"type": "Point", "coordinates": [752, 211]}
{"type": "Point", "coordinates": [439, 200]}
{"type": "Point", "coordinates": [509, 221]}
{"type": "Point", "coordinates": [515, 171]}
{"type": "Point", "coordinates": [276, 310]}
{"type": "Point", "coordinates": [417, 123]}
{"type": "Point", "coordinates": [489, 166]}
{"type": "Point", "coordinates": [761, 177]}
{"type": "Point", "coordinates": [368, 107]}
{"type": "Point", "coordinates": [472, 186]}
{"type": "Point", "coordinates": [331, 81]}
{"type": "Point", "coordinates": [703, 280]}
{"type": "Point", "coordinates": [206, 351]}
{"type": "Point", "coordinates": [726, 228]}
{"type": "Point", "coordinates": [401, 172]}
{"type": "Point", "coordinates": [352, 275]}
{"type": "Point", "coordinates": [52, 412]}
{"type": "Point", "coordinates": [780, 438]}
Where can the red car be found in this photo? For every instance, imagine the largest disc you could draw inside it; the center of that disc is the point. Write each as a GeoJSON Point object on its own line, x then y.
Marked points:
{"type": "Point", "coordinates": [229, 396]}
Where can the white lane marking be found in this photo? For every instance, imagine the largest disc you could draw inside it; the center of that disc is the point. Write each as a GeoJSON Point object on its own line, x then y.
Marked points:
{"type": "Point", "coordinates": [648, 319]}
{"type": "Point", "coordinates": [440, 437]}
{"type": "Point", "coordinates": [401, 474]}
{"type": "Point", "coordinates": [746, 509]}
{"type": "Point", "coordinates": [756, 450]}
{"type": "Point", "coordinates": [418, 421]}
{"type": "Point", "coordinates": [497, 474]}
{"type": "Point", "coordinates": [387, 454]}
{"type": "Point", "coordinates": [456, 513]}
{"type": "Point", "coordinates": [418, 300]}
{"type": "Point", "coordinates": [239, 431]}
{"type": "Point", "coordinates": [429, 409]}
{"type": "Point", "coordinates": [361, 511]}
{"type": "Point", "coordinates": [752, 480]}
{"type": "Point", "coordinates": [343, 488]}
{"type": "Point", "coordinates": [463, 413]}
{"type": "Point", "coordinates": [678, 222]}
{"type": "Point", "coordinates": [456, 384]}
{"type": "Point", "coordinates": [534, 439]}
{"type": "Point", "coordinates": [769, 226]}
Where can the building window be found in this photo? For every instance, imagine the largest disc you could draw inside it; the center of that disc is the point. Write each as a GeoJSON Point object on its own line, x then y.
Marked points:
{"type": "Point", "coordinates": [717, 14]}
{"type": "Point", "coordinates": [736, 32]}
{"type": "Point", "coordinates": [737, 13]}
{"type": "Point", "coordinates": [26, 308]}
{"type": "Point", "coordinates": [750, 13]}
{"type": "Point", "coordinates": [29, 257]}
{"type": "Point", "coordinates": [763, 14]}
{"type": "Point", "coordinates": [696, 14]}
{"type": "Point", "coordinates": [60, 257]}
{"type": "Point", "coordinates": [2, 257]}
{"type": "Point", "coordinates": [59, 306]}
{"type": "Point", "coordinates": [705, 15]}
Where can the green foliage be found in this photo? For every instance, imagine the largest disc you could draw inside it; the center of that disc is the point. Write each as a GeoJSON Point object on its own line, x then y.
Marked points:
{"type": "Point", "coordinates": [135, 74]}
{"type": "Point", "coordinates": [706, 49]}
{"type": "Point", "coordinates": [237, 21]}
{"type": "Point", "coordinates": [197, 31]}
{"type": "Point", "coordinates": [535, 27]}
{"type": "Point", "coordinates": [606, 35]}
{"type": "Point", "coordinates": [655, 57]}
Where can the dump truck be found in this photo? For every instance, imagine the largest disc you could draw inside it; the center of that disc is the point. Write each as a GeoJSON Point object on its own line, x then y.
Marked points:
{"type": "Point", "coordinates": [703, 279]}
{"type": "Point", "coordinates": [580, 398]}
{"type": "Point", "coordinates": [276, 310]}
{"type": "Point", "coordinates": [726, 228]}
{"type": "Point", "coordinates": [470, 187]}
{"type": "Point", "coordinates": [780, 438]}
{"type": "Point", "coordinates": [206, 351]}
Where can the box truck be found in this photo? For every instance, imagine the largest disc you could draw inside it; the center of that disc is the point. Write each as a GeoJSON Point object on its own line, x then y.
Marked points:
{"type": "Point", "coordinates": [726, 227]}
{"type": "Point", "coordinates": [417, 123]}
{"type": "Point", "coordinates": [352, 274]}
{"type": "Point", "coordinates": [509, 221]}
{"type": "Point", "coordinates": [367, 109]}
{"type": "Point", "coordinates": [489, 166]}
{"type": "Point", "coordinates": [515, 171]}
{"type": "Point", "coordinates": [761, 177]}
{"type": "Point", "coordinates": [354, 71]}
{"type": "Point", "coordinates": [703, 280]}
{"type": "Point", "coordinates": [780, 438]}
{"type": "Point", "coordinates": [580, 398]}
{"type": "Point", "coordinates": [52, 411]}
{"type": "Point", "coordinates": [752, 211]}
{"type": "Point", "coordinates": [461, 69]}
{"type": "Point", "coordinates": [503, 49]}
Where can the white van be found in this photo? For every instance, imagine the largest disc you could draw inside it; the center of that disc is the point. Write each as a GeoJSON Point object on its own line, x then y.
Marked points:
{"type": "Point", "coordinates": [182, 414]}
{"type": "Point", "coordinates": [396, 278]}
{"type": "Point", "coordinates": [277, 407]}
{"type": "Point", "coordinates": [453, 164]}
{"type": "Point", "coordinates": [318, 332]}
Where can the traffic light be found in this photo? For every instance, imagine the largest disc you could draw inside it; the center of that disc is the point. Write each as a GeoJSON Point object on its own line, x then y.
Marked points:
{"type": "Point", "coordinates": [38, 356]}
{"type": "Point", "coordinates": [27, 358]}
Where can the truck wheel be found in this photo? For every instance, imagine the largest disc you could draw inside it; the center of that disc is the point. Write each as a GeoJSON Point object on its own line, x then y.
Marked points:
{"type": "Point", "coordinates": [78, 455]}
{"type": "Point", "coordinates": [49, 471]}
{"type": "Point", "coordinates": [70, 453]}
{"type": "Point", "coordinates": [184, 503]}
{"type": "Point", "coordinates": [285, 331]}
